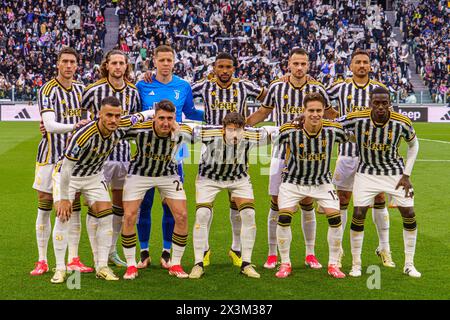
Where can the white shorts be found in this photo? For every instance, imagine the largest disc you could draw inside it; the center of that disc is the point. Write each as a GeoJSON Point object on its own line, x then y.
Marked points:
{"type": "Point", "coordinates": [169, 187]}
{"type": "Point", "coordinates": [207, 189]}
{"type": "Point", "coordinates": [344, 173]}
{"type": "Point", "coordinates": [115, 173]}
{"type": "Point", "coordinates": [367, 186]}
{"type": "Point", "coordinates": [43, 178]}
{"type": "Point", "coordinates": [276, 168]}
{"type": "Point", "coordinates": [93, 188]}
{"type": "Point", "coordinates": [291, 194]}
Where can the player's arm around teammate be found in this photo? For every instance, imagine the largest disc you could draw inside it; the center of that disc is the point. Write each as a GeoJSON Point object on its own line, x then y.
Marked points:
{"type": "Point", "coordinates": [157, 142]}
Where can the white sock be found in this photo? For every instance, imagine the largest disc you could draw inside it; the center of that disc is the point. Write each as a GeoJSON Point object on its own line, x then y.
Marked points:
{"type": "Point", "coordinates": [334, 238]}
{"type": "Point", "coordinates": [343, 218]}
{"type": "Point", "coordinates": [284, 236]}
{"type": "Point", "coordinates": [248, 233]}
{"type": "Point", "coordinates": [43, 231]}
{"type": "Point", "coordinates": [356, 242]}
{"type": "Point", "coordinates": [74, 235]}
{"type": "Point", "coordinates": [409, 239]}
{"type": "Point", "coordinates": [203, 216]}
{"type": "Point", "coordinates": [272, 221]}
{"type": "Point", "coordinates": [91, 227]}
{"type": "Point", "coordinates": [60, 239]}
{"type": "Point", "coordinates": [129, 249]}
{"type": "Point", "coordinates": [309, 230]}
{"type": "Point", "coordinates": [208, 228]}
{"type": "Point", "coordinates": [236, 224]}
{"type": "Point", "coordinates": [104, 238]}
{"type": "Point", "coordinates": [381, 219]}
{"type": "Point", "coordinates": [178, 246]}
{"type": "Point", "coordinates": [117, 227]}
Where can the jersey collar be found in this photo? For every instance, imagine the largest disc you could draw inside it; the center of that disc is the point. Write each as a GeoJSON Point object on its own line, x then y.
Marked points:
{"type": "Point", "coordinates": [64, 88]}
{"type": "Point", "coordinates": [380, 125]}
{"type": "Point", "coordinates": [114, 89]}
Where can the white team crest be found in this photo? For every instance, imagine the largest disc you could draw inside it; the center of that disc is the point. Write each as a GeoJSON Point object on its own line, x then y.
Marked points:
{"type": "Point", "coordinates": [152, 93]}
{"type": "Point", "coordinates": [177, 94]}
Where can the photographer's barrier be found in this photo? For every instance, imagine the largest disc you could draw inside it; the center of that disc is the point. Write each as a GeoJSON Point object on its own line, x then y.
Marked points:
{"type": "Point", "coordinates": [30, 112]}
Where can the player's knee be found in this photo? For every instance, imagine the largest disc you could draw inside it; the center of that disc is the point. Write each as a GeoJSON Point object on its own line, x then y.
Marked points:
{"type": "Point", "coordinates": [407, 212]}
{"type": "Point", "coordinates": [285, 218]}
{"type": "Point", "coordinates": [307, 205]}
{"type": "Point", "coordinates": [275, 200]}
{"type": "Point", "coordinates": [344, 196]}
{"type": "Point", "coordinates": [129, 219]}
{"type": "Point", "coordinates": [247, 212]}
{"type": "Point", "coordinates": [380, 198]}
{"type": "Point", "coordinates": [44, 196]}
{"type": "Point", "coordinates": [203, 214]}
{"type": "Point", "coordinates": [360, 212]}
{"type": "Point", "coordinates": [334, 220]}
{"type": "Point", "coordinates": [409, 219]}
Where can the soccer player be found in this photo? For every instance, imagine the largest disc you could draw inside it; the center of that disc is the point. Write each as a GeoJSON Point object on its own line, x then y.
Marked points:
{"type": "Point", "coordinates": [353, 94]}
{"type": "Point", "coordinates": [155, 166]}
{"type": "Point", "coordinates": [224, 165]}
{"type": "Point", "coordinates": [164, 85]}
{"type": "Point", "coordinates": [115, 71]}
{"type": "Point", "coordinates": [307, 174]}
{"type": "Point", "coordinates": [81, 170]}
{"type": "Point", "coordinates": [59, 103]}
{"type": "Point", "coordinates": [221, 95]}
{"type": "Point", "coordinates": [287, 100]}
{"type": "Point", "coordinates": [378, 133]}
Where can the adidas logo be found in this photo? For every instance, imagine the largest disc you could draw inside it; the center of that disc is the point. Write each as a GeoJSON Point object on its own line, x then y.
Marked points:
{"type": "Point", "coordinates": [23, 114]}
{"type": "Point", "coordinates": [446, 116]}
{"type": "Point", "coordinates": [152, 93]}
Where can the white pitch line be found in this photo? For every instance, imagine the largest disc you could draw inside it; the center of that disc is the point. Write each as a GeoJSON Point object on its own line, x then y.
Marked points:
{"type": "Point", "coordinates": [439, 141]}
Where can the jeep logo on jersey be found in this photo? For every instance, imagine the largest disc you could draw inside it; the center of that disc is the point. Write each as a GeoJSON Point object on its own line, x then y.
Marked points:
{"type": "Point", "coordinates": [177, 94]}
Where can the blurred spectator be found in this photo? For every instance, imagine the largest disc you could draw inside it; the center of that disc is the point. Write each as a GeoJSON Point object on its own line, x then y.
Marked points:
{"type": "Point", "coordinates": [31, 34]}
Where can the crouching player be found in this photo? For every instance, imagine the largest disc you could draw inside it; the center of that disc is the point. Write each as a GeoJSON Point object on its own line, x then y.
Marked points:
{"type": "Point", "coordinates": [224, 166]}
{"type": "Point", "coordinates": [309, 144]}
{"type": "Point", "coordinates": [154, 166]}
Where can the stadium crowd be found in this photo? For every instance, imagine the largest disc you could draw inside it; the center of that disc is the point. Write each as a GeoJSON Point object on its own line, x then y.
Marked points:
{"type": "Point", "coordinates": [427, 37]}
{"type": "Point", "coordinates": [259, 33]}
{"type": "Point", "coordinates": [31, 32]}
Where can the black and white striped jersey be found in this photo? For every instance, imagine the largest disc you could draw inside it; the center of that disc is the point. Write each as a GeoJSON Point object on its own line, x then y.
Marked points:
{"type": "Point", "coordinates": [66, 104]}
{"type": "Point", "coordinates": [378, 143]}
{"type": "Point", "coordinates": [287, 100]}
{"type": "Point", "coordinates": [351, 97]}
{"type": "Point", "coordinates": [226, 162]}
{"type": "Point", "coordinates": [156, 156]}
{"type": "Point", "coordinates": [219, 101]}
{"type": "Point", "coordinates": [308, 156]}
{"type": "Point", "coordinates": [131, 103]}
{"type": "Point", "coordinates": [90, 149]}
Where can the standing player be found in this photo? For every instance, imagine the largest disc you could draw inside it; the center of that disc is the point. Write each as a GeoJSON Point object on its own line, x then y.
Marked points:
{"type": "Point", "coordinates": [307, 174]}
{"type": "Point", "coordinates": [155, 166]}
{"type": "Point", "coordinates": [165, 85]}
{"type": "Point", "coordinates": [115, 72]}
{"type": "Point", "coordinates": [287, 99]}
{"type": "Point", "coordinates": [353, 94]}
{"type": "Point", "coordinates": [378, 133]}
{"type": "Point", "coordinates": [224, 165]}
{"type": "Point", "coordinates": [59, 103]}
{"type": "Point", "coordinates": [81, 170]}
{"type": "Point", "coordinates": [223, 94]}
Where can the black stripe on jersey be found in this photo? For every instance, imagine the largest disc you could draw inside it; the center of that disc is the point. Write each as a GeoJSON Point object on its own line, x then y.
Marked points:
{"type": "Point", "coordinates": [66, 104]}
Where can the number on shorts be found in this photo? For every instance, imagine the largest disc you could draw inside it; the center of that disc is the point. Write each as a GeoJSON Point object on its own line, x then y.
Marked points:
{"type": "Point", "coordinates": [105, 185]}
{"type": "Point", "coordinates": [179, 187]}
{"type": "Point", "coordinates": [333, 194]}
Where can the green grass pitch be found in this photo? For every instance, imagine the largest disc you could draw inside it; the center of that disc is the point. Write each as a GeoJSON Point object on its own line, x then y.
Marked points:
{"type": "Point", "coordinates": [431, 176]}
